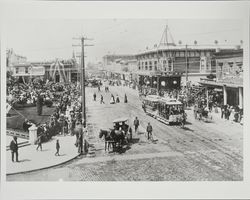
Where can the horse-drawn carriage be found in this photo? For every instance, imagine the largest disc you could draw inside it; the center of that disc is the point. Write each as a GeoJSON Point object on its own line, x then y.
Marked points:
{"type": "Point", "coordinates": [119, 135]}
{"type": "Point", "coordinates": [204, 114]}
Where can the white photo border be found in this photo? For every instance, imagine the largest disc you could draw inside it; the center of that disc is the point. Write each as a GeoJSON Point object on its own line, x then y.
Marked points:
{"type": "Point", "coordinates": [146, 190]}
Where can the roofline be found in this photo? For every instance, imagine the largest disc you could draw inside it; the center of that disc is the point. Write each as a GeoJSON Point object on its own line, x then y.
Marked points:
{"type": "Point", "coordinates": [184, 49]}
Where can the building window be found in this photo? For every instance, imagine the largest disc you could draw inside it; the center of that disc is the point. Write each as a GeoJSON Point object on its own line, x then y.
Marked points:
{"type": "Point", "coordinates": [17, 70]}
{"type": "Point", "coordinates": [26, 70]}
{"type": "Point", "coordinates": [155, 64]}
{"type": "Point", "coordinates": [230, 69]}
{"type": "Point", "coordinates": [146, 65]}
{"type": "Point", "coordinates": [150, 65]}
{"type": "Point", "coordinates": [169, 65]}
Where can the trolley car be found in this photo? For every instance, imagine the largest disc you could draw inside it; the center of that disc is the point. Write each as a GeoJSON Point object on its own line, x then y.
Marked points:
{"type": "Point", "coordinates": [165, 110]}
{"type": "Point", "coordinates": [170, 110]}
{"type": "Point", "coordinates": [150, 105]}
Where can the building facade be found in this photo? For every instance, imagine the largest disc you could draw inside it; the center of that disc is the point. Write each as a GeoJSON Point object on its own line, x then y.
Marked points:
{"type": "Point", "coordinates": [58, 70]}
{"type": "Point", "coordinates": [192, 63]}
{"type": "Point", "coordinates": [229, 76]}
{"type": "Point", "coordinates": [121, 67]}
{"type": "Point", "coordinates": [14, 59]}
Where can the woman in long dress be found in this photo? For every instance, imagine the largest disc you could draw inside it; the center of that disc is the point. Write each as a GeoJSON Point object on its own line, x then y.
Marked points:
{"type": "Point", "coordinates": [112, 99]}
{"type": "Point", "coordinates": [125, 99]}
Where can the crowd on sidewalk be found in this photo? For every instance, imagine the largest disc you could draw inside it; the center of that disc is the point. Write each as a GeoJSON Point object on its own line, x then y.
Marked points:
{"type": "Point", "coordinates": [66, 118]}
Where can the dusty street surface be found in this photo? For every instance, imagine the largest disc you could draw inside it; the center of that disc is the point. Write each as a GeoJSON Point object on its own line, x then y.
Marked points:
{"type": "Point", "coordinates": [199, 152]}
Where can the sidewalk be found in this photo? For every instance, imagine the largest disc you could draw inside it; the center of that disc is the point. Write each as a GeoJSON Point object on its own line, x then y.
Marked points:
{"type": "Point", "coordinates": [30, 159]}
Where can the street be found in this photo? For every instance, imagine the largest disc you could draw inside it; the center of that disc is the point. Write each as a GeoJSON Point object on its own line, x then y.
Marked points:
{"type": "Point", "coordinates": [198, 152]}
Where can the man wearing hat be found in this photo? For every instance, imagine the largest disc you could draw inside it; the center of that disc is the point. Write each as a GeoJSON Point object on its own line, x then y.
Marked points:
{"type": "Point", "coordinates": [14, 149]}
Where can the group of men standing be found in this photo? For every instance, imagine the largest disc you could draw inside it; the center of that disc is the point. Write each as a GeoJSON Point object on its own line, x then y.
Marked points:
{"type": "Point", "coordinates": [149, 128]}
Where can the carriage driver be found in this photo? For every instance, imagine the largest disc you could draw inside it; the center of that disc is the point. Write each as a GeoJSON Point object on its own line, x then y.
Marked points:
{"type": "Point", "coordinates": [124, 127]}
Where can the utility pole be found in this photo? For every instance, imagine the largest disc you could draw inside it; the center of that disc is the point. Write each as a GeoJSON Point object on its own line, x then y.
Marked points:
{"type": "Point", "coordinates": [82, 75]}
{"type": "Point", "coordinates": [186, 56]}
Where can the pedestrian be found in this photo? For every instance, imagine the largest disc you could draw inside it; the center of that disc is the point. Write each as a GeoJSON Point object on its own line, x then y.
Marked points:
{"type": "Point", "coordinates": [112, 99]}
{"type": "Point", "coordinates": [94, 95]}
{"type": "Point", "coordinates": [14, 148]}
{"type": "Point", "coordinates": [57, 148]}
{"type": "Point", "coordinates": [26, 125]}
{"type": "Point", "coordinates": [102, 102]}
{"type": "Point", "coordinates": [195, 111]}
{"type": "Point", "coordinates": [130, 134]}
{"type": "Point", "coordinates": [39, 143]}
{"type": "Point", "coordinates": [136, 124]}
{"type": "Point", "coordinates": [222, 111]}
{"type": "Point", "coordinates": [125, 99]}
{"type": "Point", "coordinates": [117, 99]}
{"type": "Point", "coordinates": [149, 131]}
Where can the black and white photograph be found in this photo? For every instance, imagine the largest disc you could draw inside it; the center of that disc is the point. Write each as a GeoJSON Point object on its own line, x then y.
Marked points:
{"type": "Point", "coordinates": [124, 99]}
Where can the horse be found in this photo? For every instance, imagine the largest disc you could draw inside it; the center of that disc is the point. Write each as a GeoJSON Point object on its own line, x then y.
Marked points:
{"type": "Point", "coordinates": [118, 137]}
{"type": "Point", "coordinates": [107, 137]}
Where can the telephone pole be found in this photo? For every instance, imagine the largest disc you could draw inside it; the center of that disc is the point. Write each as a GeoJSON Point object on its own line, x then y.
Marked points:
{"type": "Point", "coordinates": [187, 89]}
{"type": "Point", "coordinates": [82, 75]}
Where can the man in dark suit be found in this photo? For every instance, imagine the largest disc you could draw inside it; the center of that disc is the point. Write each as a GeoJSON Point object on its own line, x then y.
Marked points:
{"type": "Point", "coordinates": [14, 148]}
{"type": "Point", "coordinates": [26, 125]}
{"type": "Point", "coordinates": [149, 131]}
{"type": "Point", "coordinates": [136, 124]}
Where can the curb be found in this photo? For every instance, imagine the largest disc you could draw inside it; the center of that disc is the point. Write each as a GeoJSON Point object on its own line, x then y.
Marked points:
{"type": "Point", "coordinates": [33, 170]}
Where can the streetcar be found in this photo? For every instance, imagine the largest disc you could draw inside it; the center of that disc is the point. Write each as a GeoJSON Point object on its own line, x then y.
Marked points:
{"type": "Point", "coordinates": [166, 110]}
{"type": "Point", "coordinates": [150, 105]}
{"type": "Point", "coordinates": [170, 111]}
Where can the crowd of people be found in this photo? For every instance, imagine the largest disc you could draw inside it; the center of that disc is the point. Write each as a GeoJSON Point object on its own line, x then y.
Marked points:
{"type": "Point", "coordinates": [66, 118]}
{"type": "Point", "coordinates": [28, 94]}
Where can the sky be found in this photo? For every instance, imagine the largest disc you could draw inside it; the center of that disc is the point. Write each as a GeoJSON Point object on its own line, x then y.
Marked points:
{"type": "Point", "coordinates": [43, 39]}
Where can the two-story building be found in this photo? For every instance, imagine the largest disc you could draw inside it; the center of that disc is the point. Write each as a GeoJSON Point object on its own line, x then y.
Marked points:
{"type": "Point", "coordinates": [229, 76]}
{"type": "Point", "coordinates": [174, 64]}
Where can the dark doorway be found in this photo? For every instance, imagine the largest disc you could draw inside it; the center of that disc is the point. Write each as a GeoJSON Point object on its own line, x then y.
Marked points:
{"type": "Point", "coordinates": [57, 78]}
{"type": "Point", "coordinates": [233, 96]}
